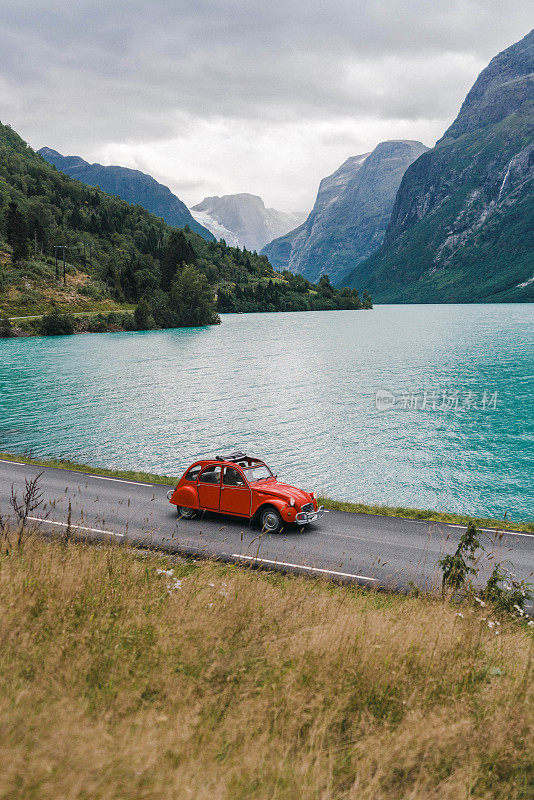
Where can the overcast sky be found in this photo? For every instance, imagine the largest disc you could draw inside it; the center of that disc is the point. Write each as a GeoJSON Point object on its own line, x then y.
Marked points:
{"type": "Point", "coordinates": [224, 96]}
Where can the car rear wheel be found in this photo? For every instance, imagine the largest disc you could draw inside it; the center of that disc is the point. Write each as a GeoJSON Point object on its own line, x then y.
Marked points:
{"type": "Point", "coordinates": [186, 513]}
{"type": "Point", "coordinates": [271, 521]}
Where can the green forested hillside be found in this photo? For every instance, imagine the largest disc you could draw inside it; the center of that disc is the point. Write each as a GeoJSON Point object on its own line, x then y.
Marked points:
{"type": "Point", "coordinates": [118, 254]}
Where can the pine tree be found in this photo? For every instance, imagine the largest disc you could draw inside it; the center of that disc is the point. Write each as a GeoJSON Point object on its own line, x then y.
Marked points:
{"type": "Point", "coordinates": [16, 232]}
{"type": "Point", "coordinates": [325, 287]}
{"type": "Point", "coordinates": [143, 319]}
{"type": "Point", "coordinates": [192, 298]}
{"type": "Point", "coordinates": [190, 255]}
{"type": "Point", "coordinates": [174, 255]}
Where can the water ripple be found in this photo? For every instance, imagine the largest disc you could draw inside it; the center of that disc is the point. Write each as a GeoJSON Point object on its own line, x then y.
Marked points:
{"type": "Point", "coordinates": [300, 390]}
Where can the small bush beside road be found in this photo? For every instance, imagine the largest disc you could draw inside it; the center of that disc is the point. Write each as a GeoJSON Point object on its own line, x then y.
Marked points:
{"type": "Point", "coordinates": [56, 324]}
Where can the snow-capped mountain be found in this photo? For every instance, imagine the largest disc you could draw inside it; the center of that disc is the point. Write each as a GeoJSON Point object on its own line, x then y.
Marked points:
{"type": "Point", "coordinates": [214, 227]}
{"type": "Point", "coordinates": [243, 220]}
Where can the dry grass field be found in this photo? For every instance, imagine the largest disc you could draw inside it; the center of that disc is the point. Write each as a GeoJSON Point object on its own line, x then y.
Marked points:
{"type": "Point", "coordinates": [128, 675]}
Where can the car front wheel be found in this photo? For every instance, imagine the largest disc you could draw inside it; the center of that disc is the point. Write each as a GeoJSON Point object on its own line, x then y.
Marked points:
{"type": "Point", "coordinates": [186, 513]}
{"type": "Point", "coordinates": [271, 521]}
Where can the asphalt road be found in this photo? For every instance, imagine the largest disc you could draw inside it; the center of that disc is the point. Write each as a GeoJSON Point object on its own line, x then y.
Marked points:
{"type": "Point", "coordinates": [382, 552]}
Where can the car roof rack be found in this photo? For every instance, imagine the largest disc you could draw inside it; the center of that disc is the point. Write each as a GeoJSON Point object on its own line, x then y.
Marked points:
{"type": "Point", "coordinates": [237, 456]}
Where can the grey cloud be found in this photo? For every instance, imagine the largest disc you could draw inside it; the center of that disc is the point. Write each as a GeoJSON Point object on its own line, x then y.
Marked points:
{"type": "Point", "coordinates": [115, 67]}
{"type": "Point", "coordinates": [82, 75]}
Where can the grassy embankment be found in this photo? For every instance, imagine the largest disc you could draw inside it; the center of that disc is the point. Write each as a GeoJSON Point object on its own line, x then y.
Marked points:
{"type": "Point", "coordinates": [29, 289]}
{"type": "Point", "coordinates": [215, 682]}
{"type": "Point", "coordinates": [339, 505]}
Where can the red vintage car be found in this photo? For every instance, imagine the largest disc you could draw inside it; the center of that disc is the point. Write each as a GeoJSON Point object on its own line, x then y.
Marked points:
{"type": "Point", "coordinates": [245, 487]}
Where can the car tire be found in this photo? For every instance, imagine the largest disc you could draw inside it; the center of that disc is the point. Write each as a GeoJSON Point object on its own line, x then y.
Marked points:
{"type": "Point", "coordinates": [270, 520]}
{"type": "Point", "coordinates": [186, 513]}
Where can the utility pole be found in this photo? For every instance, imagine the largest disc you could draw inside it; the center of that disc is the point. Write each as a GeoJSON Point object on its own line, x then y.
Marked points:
{"type": "Point", "coordinates": [63, 248]}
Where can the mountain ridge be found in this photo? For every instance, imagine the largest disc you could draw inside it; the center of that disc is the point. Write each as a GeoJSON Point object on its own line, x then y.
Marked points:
{"type": "Point", "coordinates": [350, 214]}
{"type": "Point", "coordinates": [130, 185]}
{"type": "Point", "coordinates": [245, 216]}
{"type": "Point", "coordinates": [462, 226]}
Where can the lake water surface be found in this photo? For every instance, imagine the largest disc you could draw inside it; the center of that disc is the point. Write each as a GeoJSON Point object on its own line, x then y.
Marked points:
{"type": "Point", "coordinates": [454, 426]}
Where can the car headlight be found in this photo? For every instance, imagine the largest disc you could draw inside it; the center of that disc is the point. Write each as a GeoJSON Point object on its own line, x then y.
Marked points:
{"type": "Point", "coordinates": [291, 502]}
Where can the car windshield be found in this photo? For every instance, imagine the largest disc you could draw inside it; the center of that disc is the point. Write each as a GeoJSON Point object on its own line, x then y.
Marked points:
{"type": "Point", "coordinates": [257, 473]}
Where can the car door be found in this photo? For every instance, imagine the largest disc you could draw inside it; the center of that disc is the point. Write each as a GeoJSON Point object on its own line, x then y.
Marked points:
{"type": "Point", "coordinates": [209, 487]}
{"type": "Point", "coordinates": [235, 493]}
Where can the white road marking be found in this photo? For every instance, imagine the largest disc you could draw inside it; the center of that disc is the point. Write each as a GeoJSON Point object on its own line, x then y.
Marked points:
{"type": "Point", "coordinates": [78, 527]}
{"type": "Point", "coordinates": [138, 483]}
{"type": "Point", "coordinates": [78, 472]}
{"type": "Point", "coordinates": [304, 566]}
{"type": "Point", "coordinates": [117, 480]}
{"type": "Point", "coordinates": [492, 530]}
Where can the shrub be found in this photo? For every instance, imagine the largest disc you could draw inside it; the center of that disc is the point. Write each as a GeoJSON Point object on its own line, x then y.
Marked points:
{"type": "Point", "coordinates": [143, 319]}
{"type": "Point", "coordinates": [505, 591]}
{"type": "Point", "coordinates": [128, 323]}
{"type": "Point", "coordinates": [92, 291]}
{"type": "Point", "coordinates": [56, 324]}
{"type": "Point", "coordinates": [6, 328]}
{"type": "Point", "coordinates": [97, 324]}
{"type": "Point", "coordinates": [462, 563]}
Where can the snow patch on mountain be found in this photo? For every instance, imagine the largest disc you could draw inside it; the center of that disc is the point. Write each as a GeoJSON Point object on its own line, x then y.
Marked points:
{"type": "Point", "coordinates": [214, 227]}
{"type": "Point", "coordinates": [246, 216]}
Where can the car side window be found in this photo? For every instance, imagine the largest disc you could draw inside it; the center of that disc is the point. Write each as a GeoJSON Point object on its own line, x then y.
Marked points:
{"type": "Point", "coordinates": [210, 475]}
{"type": "Point", "coordinates": [232, 477]}
{"type": "Point", "coordinates": [192, 475]}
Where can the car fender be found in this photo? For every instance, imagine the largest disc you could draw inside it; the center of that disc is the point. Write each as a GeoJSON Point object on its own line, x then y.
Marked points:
{"type": "Point", "coordinates": [185, 496]}
{"type": "Point", "coordinates": [287, 512]}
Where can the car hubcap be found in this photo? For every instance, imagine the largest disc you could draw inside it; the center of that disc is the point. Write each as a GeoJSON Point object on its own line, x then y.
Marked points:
{"type": "Point", "coordinates": [270, 521]}
{"type": "Point", "coordinates": [185, 512]}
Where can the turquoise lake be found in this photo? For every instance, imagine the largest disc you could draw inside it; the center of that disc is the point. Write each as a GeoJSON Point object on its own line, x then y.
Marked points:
{"type": "Point", "coordinates": [426, 405]}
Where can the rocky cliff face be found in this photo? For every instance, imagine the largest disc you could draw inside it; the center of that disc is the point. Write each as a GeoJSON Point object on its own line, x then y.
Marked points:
{"type": "Point", "coordinates": [350, 215]}
{"type": "Point", "coordinates": [462, 227]}
{"type": "Point", "coordinates": [131, 185]}
{"type": "Point", "coordinates": [246, 220]}
{"type": "Point", "coordinates": [284, 252]}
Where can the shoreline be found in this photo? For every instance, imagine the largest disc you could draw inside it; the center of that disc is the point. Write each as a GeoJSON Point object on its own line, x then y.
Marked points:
{"type": "Point", "coordinates": [329, 503]}
{"type": "Point", "coordinates": [121, 321]}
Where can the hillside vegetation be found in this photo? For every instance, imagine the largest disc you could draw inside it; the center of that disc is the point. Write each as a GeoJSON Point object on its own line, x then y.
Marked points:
{"type": "Point", "coordinates": [130, 675]}
{"type": "Point", "coordinates": [131, 185]}
{"type": "Point", "coordinates": [118, 255]}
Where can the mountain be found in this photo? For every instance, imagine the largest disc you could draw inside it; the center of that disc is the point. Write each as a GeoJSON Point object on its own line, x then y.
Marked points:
{"type": "Point", "coordinates": [279, 250]}
{"type": "Point", "coordinates": [117, 255]}
{"type": "Point", "coordinates": [218, 230]}
{"type": "Point", "coordinates": [350, 215]}
{"type": "Point", "coordinates": [130, 185]}
{"type": "Point", "coordinates": [462, 226]}
{"type": "Point", "coordinates": [245, 219]}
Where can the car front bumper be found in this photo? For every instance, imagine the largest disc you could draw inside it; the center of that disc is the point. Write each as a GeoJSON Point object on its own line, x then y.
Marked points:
{"type": "Point", "coordinates": [305, 517]}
